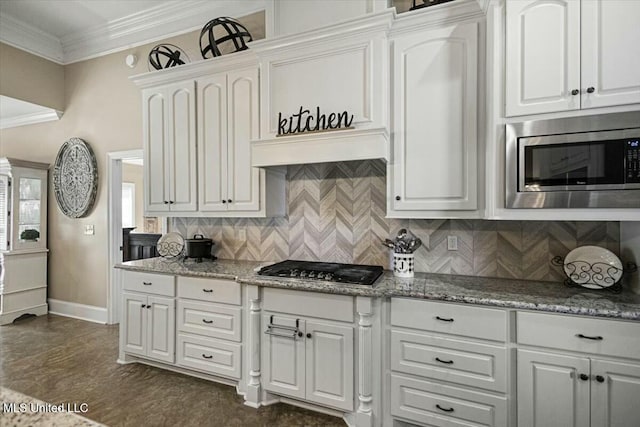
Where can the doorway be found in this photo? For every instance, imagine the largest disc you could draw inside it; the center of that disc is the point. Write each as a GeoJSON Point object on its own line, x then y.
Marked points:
{"type": "Point", "coordinates": [119, 164]}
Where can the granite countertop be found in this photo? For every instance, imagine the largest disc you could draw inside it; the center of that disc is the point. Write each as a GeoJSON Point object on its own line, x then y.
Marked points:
{"type": "Point", "coordinates": [507, 293]}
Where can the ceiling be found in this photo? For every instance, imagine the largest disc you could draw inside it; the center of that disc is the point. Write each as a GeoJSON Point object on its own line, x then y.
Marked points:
{"type": "Point", "coordinates": [67, 31]}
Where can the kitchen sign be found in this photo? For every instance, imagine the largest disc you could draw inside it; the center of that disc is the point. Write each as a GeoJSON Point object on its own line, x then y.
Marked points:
{"type": "Point", "coordinates": [304, 122]}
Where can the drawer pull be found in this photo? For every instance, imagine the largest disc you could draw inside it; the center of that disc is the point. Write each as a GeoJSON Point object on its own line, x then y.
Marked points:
{"type": "Point", "coordinates": [207, 290]}
{"type": "Point", "coordinates": [586, 337]}
{"type": "Point", "coordinates": [204, 356]}
{"type": "Point", "coordinates": [444, 319]}
{"type": "Point", "coordinates": [207, 321]}
{"type": "Point", "coordinates": [147, 283]}
{"type": "Point", "coordinates": [446, 362]}
{"type": "Point", "coordinates": [444, 409]}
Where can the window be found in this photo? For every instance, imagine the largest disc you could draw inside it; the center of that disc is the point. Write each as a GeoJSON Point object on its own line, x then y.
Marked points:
{"type": "Point", "coordinates": [128, 204]}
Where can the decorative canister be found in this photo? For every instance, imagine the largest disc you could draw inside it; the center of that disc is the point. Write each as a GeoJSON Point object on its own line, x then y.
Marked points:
{"type": "Point", "coordinates": [402, 265]}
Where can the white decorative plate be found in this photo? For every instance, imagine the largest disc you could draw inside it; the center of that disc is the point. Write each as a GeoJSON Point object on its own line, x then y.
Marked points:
{"type": "Point", "coordinates": [593, 267]}
{"type": "Point", "coordinates": [170, 245]}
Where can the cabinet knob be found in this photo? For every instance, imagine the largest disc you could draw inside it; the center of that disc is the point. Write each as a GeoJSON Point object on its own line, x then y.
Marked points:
{"type": "Point", "coordinates": [300, 334]}
{"type": "Point", "coordinates": [171, 202]}
{"type": "Point", "coordinates": [229, 200]}
{"type": "Point", "coordinates": [143, 306]}
{"type": "Point", "coordinates": [591, 89]}
{"type": "Point", "coordinates": [166, 202]}
{"type": "Point", "coordinates": [584, 377]}
{"type": "Point", "coordinates": [224, 201]}
{"type": "Point", "coordinates": [600, 378]}
{"type": "Point", "coordinates": [575, 92]}
{"type": "Point", "coordinates": [308, 335]}
{"type": "Point", "coordinates": [398, 198]}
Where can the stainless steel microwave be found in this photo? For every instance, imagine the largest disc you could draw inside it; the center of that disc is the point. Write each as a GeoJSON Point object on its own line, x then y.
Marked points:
{"type": "Point", "coordinates": [576, 162]}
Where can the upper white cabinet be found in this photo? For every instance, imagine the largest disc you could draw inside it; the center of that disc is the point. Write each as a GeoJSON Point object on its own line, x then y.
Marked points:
{"type": "Point", "coordinates": [435, 124]}
{"type": "Point", "coordinates": [169, 129]}
{"type": "Point", "coordinates": [566, 55]}
{"type": "Point", "coordinates": [228, 111]}
{"type": "Point", "coordinates": [198, 122]}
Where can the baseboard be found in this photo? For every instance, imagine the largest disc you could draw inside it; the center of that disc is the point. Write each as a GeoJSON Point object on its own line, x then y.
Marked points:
{"type": "Point", "coordinates": [7, 318]}
{"type": "Point", "coordinates": [89, 313]}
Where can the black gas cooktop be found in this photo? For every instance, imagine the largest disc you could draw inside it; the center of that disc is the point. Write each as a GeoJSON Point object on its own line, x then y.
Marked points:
{"type": "Point", "coordinates": [331, 271]}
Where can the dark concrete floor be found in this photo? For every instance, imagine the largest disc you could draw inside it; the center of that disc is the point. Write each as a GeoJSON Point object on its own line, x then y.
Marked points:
{"type": "Point", "coordinates": [62, 360]}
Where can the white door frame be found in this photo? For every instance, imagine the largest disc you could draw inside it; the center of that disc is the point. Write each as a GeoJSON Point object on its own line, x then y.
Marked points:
{"type": "Point", "coordinates": [114, 229]}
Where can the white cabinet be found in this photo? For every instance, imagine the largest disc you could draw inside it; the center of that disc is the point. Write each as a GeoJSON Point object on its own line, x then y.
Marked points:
{"type": "Point", "coordinates": [449, 364]}
{"type": "Point", "coordinates": [576, 385]}
{"type": "Point", "coordinates": [435, 125]}
{"type": "Point", "coordinates": [23, 239]}
{"type": "Point", "coordinates": [556, 389]}
{"type": "Point", "coordinates": [148, 326]}
{"type": "Point", "coordinates": [169, 136]}
{"type": "Point", "coordinates": [570, 54]}
{"type": "Point", "coordinates": [309, 360]}
{"type": "Point", "coordinates": [209, 326]}
{"type": "Point", "coordinates": [228, 110]}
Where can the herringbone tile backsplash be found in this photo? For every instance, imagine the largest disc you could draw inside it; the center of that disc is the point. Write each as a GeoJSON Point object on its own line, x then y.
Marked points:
{"type": "Point", "coordinates": [337, 213]}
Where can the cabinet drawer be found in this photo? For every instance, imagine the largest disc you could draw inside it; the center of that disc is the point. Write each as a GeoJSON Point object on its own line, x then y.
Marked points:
{"type": "Point", "coordinates": [158, 284]}
{"type": "Point", "coordinates": [608, 337]}
{"type": "Point", "coordinates": [475, 322]}
{"type": "Point", "coordinates": [450, 359]}
{"type": "Point", "coordinates": [440, 405]}
{"type": "Point", "coordinates": [309, 304]}
{"type": "Point", "coordinates": [212, 320]}
{"type": "Point", "coordinates": [212, 290]}
{"type": "Point", "coordinates": [209, 355]}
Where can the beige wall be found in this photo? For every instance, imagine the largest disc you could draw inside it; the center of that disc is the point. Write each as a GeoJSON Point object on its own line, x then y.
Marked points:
{"type": "Point", "coordinates": [133, 174]}
{"type": "Point", "coordinates": [104, 108]}
{"type": "Point", "coordinates": [31, 78]}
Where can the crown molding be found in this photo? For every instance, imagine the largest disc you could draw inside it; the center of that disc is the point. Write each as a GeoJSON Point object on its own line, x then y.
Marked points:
{"type": "Point", "coordinates": [157, 23]}
{"type": "Point", "coordinates": [30, 119]}
{"type": "Point", "coordinates": [30, 39]}
{"type": "Point", "coordinates": [151, 25]}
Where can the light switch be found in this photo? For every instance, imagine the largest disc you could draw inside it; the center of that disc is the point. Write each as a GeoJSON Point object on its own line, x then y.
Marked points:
{"type": "Point", "coordinates": [89, 230]}
{"type": "Point", "coordinates": [452, 243]}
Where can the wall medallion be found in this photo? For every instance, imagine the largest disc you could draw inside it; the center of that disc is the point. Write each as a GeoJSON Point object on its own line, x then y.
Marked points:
{"type": "Point", "coordinates": [75, 178]}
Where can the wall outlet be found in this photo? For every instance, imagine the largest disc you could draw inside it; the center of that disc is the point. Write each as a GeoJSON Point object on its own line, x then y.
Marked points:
{"type": "Point", "coordinates": [242, 234]}
{"type": "Point", "coordinates": [452, 243]}
{"type": "Point", "coordinates": [89, 230]}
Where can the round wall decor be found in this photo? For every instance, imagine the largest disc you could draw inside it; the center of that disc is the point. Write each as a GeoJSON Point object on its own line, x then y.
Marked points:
{"type": "Point", "coordinates": [75, 178]}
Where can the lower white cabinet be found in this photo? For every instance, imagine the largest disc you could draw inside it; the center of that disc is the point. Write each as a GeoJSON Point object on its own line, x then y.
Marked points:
{"type": "Point", "coordinates": [308, 360]}
{"type": "Point", "coordinates": [210, 326]}
{"type": "Point", "coordinates": [449, 365]}
{"type": "Point", "coordinates": [149, 326]}
{"type": "Point", "coordinates": [567, 374]}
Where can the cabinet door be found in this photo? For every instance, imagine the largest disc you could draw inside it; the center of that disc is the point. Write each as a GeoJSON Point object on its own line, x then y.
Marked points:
{"type": "Point", "coordinates": [156, 160]}
{"type": "Point", "coordinates": [243, 126]}
{"type": "Point", "coordinates": [551, 391]}
{"type": "Point", "coordinates": [329, 364]}
{"type": "Point", "coordinates": [161, 328]}
{"type": "Point", "coordinates": [435, 128]}
{"type": "Point", "coordinates": [283, 357]}
{"type": "Point", "coordinates": [542, 56]}
{"type": "Point", "coordinates": [610, 53]}
{"type": "Point", "coordinates": [212, 143]}
{"type": "Point", "coordinates": [615, 394]}
{"type": "Point", "coordinates": [182, 146]}
{"type": "Point", "coordinates": [135, 323]}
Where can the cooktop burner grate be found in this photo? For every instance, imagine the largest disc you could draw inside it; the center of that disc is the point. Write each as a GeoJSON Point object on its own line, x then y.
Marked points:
{"type": "Point", "coordinates": [330, 271]}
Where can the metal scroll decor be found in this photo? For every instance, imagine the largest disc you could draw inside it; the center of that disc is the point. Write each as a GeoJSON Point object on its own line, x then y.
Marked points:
{"type": "Point", "coordinates": [75, 178]}
{"type": "Point", "coordinates": [597, 275]}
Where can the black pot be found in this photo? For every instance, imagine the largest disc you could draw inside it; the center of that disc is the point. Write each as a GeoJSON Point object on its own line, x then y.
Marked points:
{"type": "Point", "coordinates": [199, 247]}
